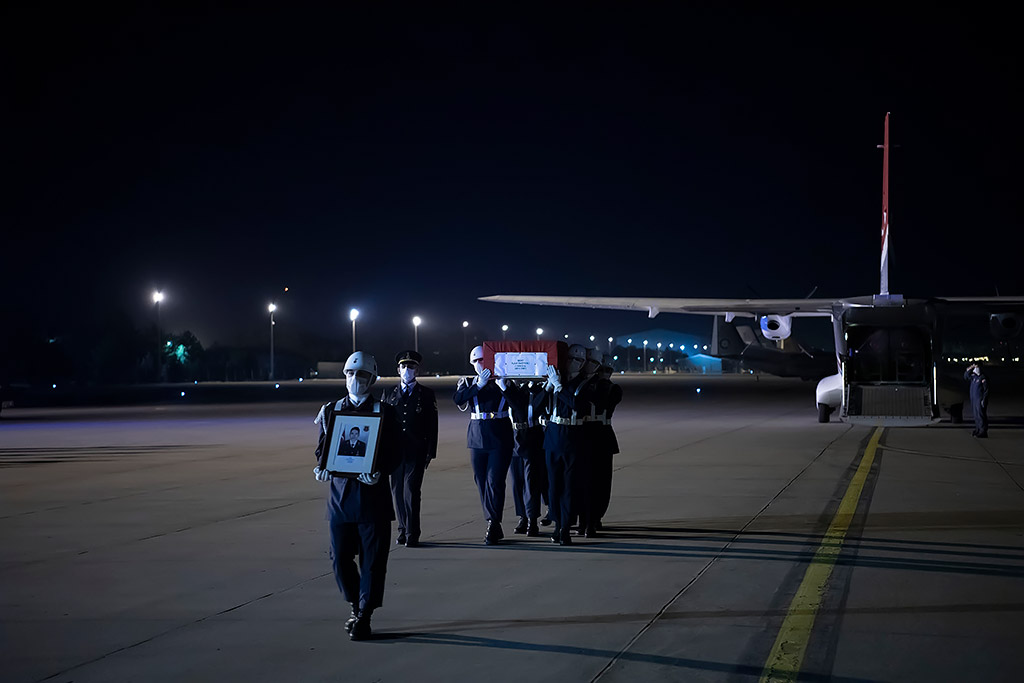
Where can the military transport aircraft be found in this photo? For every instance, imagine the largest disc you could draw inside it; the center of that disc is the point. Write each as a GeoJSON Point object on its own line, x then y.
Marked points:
{"type": "Point", "coordinates": [887, 348]}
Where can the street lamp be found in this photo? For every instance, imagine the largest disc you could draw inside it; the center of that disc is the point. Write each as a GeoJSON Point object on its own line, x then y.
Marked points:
{"type": "Point", "coordinates": [591, 339]}
{"type": "Point", "coordinates": [610, 340]}
{"type": "Point", "coordinates": [271, 308]}
{"type": "Point", "coordinates": [157, 298]}
{"type": "Point", "coordinates": [645, 355]}
{"type": "Point", "coordinates": [416, 320]}
{"type": "Point", "coordinates": [352, 315]}
{"type": "Point", "coordinates": [504, 330]}
{"type": "Point", "coordinates": [465, 343]}
{"type": "Point", "coordinates": [540, 331]}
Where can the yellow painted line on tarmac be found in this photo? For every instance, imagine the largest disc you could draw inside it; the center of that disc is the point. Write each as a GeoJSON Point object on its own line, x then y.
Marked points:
{"type": "Point", "coordinates": [787, 655]}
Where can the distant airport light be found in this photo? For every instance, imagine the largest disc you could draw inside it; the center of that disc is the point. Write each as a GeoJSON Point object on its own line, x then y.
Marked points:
{"type": "Point", "coordinates": [629, 341]}
{"type": "Point", "coordinates": [54, 386]}
{"type": "Point", "coordinates": [615, 357]}
{"type": "Point", "coordinates": [540, 330]}
{"type": "Point", "coordinates": [698, 390]}
{"type": "Point", "coordinates": [504, 328]}
{"type": "Point", "coordinates": [671, 346]}
{"type": "Point", "coordinates": [465, 323]}
{"type": "Point", "coordinates": [271, 308]}
{"type": "Point", "coordinates": [705, 347]}
{"type": "Point", "coordinates": [277, 386]}
{"type": "Point", "coordinates": [353, 314]}
{"type": "Point", "coordinates": [566, 336]}
{"type": "Point", "coordinates": [195, 382]}
{"type": "Point", "coordinates": [694, 347]}
{"type": "Point", "coordinates": [611, 339]}
{"type": "Point", "coordinates": [417, 321]}
{"type": "Point", "coordinates": [168, 343]}
{"type": "Point", "coordinates": [591, 337]}
{"type": "Point", "coordinates": [183, 393]}
{"type": "Point", "coordinates": [300, 379]}
{"type": "Point", "coordinates": [659, 345]}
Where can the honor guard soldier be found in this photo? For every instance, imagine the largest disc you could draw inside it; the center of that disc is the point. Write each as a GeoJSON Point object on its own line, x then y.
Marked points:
{"type": "Point", "coordinates": [590, 433]}
{"type": "Point", "coordinates": [562, 438]}
{"type": "Point", "coordinates": [979, 399]}
{"type": "Point", "coordinates": [528, 407]}
{"type": "Point", "coordinates": [607, 395]}
{"type": "Point", "coordinates": [489, 439]}
{"type": "Point", "coordinates": [416, 408]}
{"type": "Point", "coordinates": [359, 509]}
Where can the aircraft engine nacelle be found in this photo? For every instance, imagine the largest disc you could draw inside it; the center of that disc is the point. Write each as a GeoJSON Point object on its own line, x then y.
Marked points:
{"type": "Point", "coordinates": [1005, 325]}
{"type": "Point", "coordinates": [776, 327]}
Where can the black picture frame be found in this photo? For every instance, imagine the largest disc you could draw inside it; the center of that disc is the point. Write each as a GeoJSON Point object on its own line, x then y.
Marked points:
{"type": "Point", "coordinates": [342, 456]}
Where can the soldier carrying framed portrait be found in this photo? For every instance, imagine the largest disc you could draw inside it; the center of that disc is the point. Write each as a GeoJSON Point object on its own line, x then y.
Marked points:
{"type": "Point", "coordinates": [351, 443]}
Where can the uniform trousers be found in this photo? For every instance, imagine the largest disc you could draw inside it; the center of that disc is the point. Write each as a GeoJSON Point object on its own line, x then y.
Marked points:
{"type": "Point", "coordinates": [529, 483]}
{"type": "Point", "coordinates": [406, 488]}
{"type": "Point", "coordinates": [490, 468]}
{"type": "Point", "coordinates": [362, 584]}
{"type": "Point", "coordinates": [980, 417]}
{"type": "Point", "coordinates": [561, 484]}
{"type": "Point", "coordinates": [602, 486]}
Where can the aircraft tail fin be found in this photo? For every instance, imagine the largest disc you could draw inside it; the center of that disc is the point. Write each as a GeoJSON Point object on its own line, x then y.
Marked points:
{"type": "Point", "coordinates": [884, 288]}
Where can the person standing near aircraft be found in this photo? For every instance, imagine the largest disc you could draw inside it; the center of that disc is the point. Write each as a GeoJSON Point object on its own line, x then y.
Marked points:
{"type": "Point", "coordinates": [416, 407]}
{"type": "Point", "coordinates": [359, 509]}
{"type": "Point", "coordinates": [562, 438]}
{"type": "Point", "coordinates": [979, 399]}
{"type": "Point", "coordinates": [489, 439]}
{"type": "Point", "coordinates": [608, 395]}
{"type": "Point", "coordinates": [528, 405]}
{"type": "Point", "coordinates": [590, 434]}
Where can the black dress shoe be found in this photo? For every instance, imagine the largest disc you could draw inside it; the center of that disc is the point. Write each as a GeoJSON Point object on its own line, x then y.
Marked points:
{"type": "Point", "coordinates": [401, 538]}
{"type": "Point", "coordinates": [412, 542]}
{"type": "Point", "coordinates": [494, 533]}
{"type": "Point", "coordinates": [982, 435]}
{"type": "Point", "coordinates": [556, 536]}
{"type": "Point", "coordinates": [520, 526]}
{"type": "Point", "coordinates": [590, 532]}
{"type": "Point", "coordinates": [532, 529]}
{"type": "Point", "coordinates": [351, 620]}
{"type": "Point", "coordinates": [361, 627]}
{"type": "Point", "coordinates": [566, 539]}
{"type": "Point", "coordinates": [546, 519]}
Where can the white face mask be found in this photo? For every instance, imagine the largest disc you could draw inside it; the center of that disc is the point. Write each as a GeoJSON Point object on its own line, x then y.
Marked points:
{"type": "Point", "coordinates": [977, 371]}
{"type": "Point", "coordinates": [358, 384]}
{"type": "Point", "coordinates": [408, 374]}
{"type": "Point", "coordinates": [479, 365]}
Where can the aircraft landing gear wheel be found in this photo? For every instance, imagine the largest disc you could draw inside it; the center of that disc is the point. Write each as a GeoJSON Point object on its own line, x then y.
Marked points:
{"type": "Point", "coordinates": [824, 412]}
{"type": "Point", "coordinates": [956, 413]}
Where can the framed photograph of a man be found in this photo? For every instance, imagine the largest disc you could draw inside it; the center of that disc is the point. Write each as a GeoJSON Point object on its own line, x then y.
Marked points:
{"type": "Point", "coordinates": [351, 443]}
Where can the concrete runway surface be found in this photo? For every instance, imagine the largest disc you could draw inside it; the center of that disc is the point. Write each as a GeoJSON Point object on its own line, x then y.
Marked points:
{"type": "Point", "coordinates": [744, 542]}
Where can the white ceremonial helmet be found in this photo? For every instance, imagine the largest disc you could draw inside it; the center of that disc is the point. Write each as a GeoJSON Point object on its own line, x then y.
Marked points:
{"type": "Point", "coordinates": [578, 352]}
{"type": "Point", "coordinates": [476, 354]}
{"type": "Point", "coordinates": [361, 361]}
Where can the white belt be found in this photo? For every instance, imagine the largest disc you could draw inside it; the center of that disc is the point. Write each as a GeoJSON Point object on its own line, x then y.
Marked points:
{"type": "Point", "coordinates": [564, 421]}
{"type": "Point", "coordinates": [485, 416]}
{"type": "Point", "coordinates": [596, 418]}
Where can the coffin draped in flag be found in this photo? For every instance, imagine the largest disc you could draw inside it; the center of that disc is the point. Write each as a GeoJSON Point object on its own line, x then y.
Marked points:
{"type": "Point", "coordinates": [523, 358]}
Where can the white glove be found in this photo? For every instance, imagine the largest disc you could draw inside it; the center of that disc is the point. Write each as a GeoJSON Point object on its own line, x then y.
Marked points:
{"type": "Point", "coordinates": [501, 383]}
{"type": "Point", "coordinates": [484, 378]}
{"type": "Point", "coordinates": [321, 475]}
{"type": "Point", "coordinates": [553, 381]}
{"type": "Point", "coordinates": [369, 479]}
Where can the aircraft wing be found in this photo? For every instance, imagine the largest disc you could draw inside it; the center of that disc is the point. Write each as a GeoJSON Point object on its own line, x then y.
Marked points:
{"type": "Point", "coordinates": [750, 308]}
{"type": "Point", "coordinates": [988, 303]}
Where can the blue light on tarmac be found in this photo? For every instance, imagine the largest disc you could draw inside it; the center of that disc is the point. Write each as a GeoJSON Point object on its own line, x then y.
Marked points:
{"type": "Point", "coordinates": [698, 390]}
{"type": "Point", "coordinates": [54, 386]}
{"type": "Point", "coordinates": [183, 393]}
{"type": "Point", "coordinates": [277, 386]}
{"type": "Point", "coordinates": [300, 379]}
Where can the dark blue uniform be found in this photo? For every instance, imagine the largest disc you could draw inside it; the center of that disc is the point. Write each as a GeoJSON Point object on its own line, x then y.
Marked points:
{"type": "Point", "coordinates": [417, 420]}
{"type": "Point", "coordinates": [979, 402]}
{"type": "Point", "coordinates": [360, 516]}
{"type": "Point", "coordinates": [529, 405]}
{"type": "Point", "coordinates": [562, 439]}
{"type": "Point", "coordinates": [489, 439]}
{"type": "Point", "coordinates": [607, 395]}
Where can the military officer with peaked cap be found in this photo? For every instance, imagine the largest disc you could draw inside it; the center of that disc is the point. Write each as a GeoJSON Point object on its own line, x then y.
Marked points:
{"type": "Point", "coordinates": [416, 407]}
{"type": "Point", "coordinates": [489, 439]}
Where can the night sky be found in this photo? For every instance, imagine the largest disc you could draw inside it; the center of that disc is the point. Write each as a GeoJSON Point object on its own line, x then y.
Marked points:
{"type": "Point", "coordinates": [407, 161]}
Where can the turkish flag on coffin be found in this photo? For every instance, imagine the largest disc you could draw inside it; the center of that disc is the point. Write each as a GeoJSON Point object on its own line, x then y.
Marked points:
{"type": "Point", "coordinates": [523, 358]}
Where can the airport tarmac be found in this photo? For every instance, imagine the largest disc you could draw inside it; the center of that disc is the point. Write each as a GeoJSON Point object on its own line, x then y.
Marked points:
{"type": "Point", "coordinates": [744, 541]}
